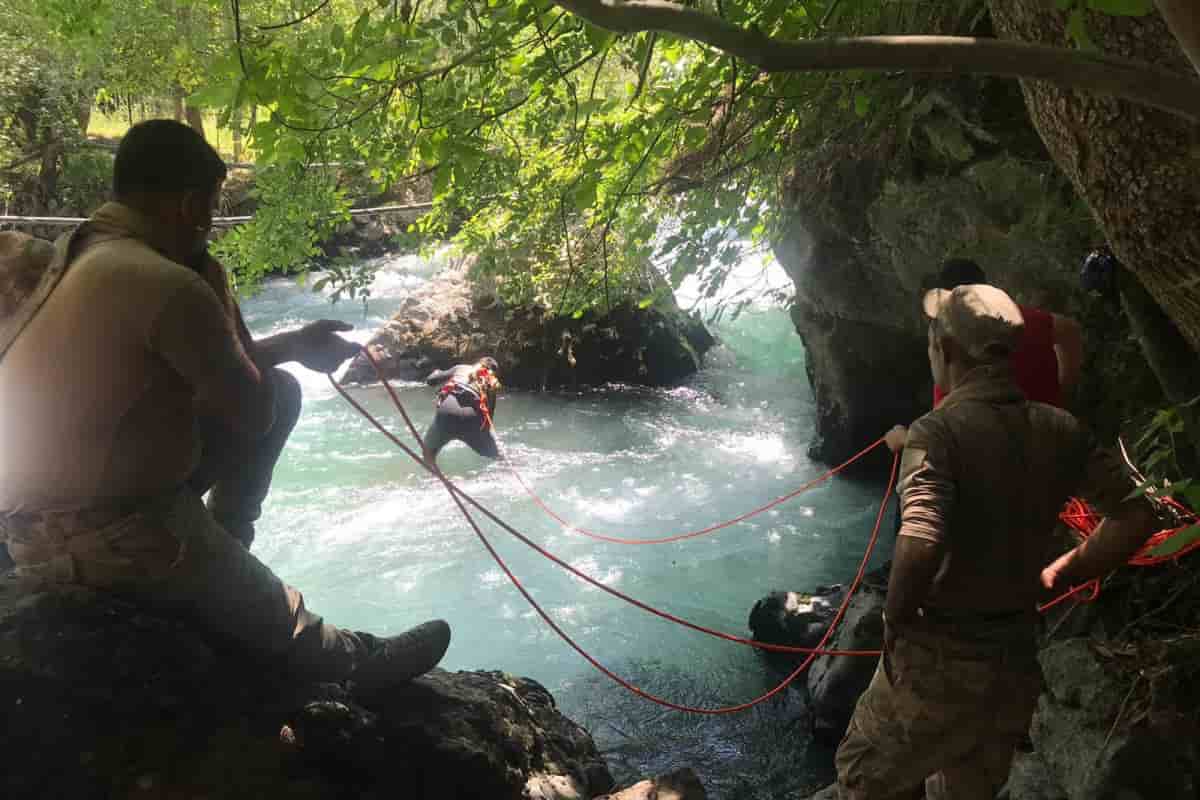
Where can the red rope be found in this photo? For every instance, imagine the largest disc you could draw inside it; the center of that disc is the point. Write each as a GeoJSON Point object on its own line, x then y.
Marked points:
{"type": "Point", "coordinates": [779, 648]}
{"type": "Point", "coordinates": [696, 533]}
{"type": "Point", "coordinates": [458, 496]}
{"type": "Point", "coordinates": [1080, 517]}
{"type": "Point", "coordinates": [1093, 585]}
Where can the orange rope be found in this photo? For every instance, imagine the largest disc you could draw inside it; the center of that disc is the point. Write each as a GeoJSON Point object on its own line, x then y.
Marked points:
{"type": "Point", "coordinates": [696, 533]}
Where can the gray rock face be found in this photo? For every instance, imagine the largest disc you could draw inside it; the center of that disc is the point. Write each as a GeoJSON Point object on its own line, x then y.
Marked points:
{"type": "Point", "coordinates": [1031, 779]}
{"type": "Point", "coordinates": [104, 700]}
{"type": "Point", "coordinates": [835, 682]}
{"type": "Point", "coordinates": [859, 245]}
{"type": "Point", "coordinates": [449, 321]}
{"type": "Point", "coordinates": [1092, 758]}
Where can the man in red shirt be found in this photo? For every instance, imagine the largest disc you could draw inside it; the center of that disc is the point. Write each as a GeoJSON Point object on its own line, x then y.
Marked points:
{"type": "Point", "coordinates": [1047, 362]}
{"type": "Point", "coordinates": [1045, 365]}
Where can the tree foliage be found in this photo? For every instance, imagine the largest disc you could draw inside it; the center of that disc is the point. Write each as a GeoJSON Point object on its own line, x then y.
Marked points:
{"type": "Point", "coordinates": [557, 149]}
{"type": "Point", "coordinates": [570, 159]}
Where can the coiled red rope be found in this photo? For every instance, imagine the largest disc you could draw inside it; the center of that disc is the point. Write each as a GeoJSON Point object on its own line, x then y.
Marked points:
{"type": "Point", "coordinates": [1080, 517]}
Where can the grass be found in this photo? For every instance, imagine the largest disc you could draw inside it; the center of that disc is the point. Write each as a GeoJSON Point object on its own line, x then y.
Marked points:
{"type": "Point", "coordinates": [113, 126]}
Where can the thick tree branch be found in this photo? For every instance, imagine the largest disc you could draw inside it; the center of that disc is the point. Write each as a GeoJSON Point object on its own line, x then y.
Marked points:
{"type": "Point", "coordinates": [1183, 18]}
{"type": "Point", "coordinates": [1124, 78]}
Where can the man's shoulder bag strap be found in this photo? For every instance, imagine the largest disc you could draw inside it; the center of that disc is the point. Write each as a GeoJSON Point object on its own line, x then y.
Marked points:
{"type": "Point", "coordinates": [20, 258]}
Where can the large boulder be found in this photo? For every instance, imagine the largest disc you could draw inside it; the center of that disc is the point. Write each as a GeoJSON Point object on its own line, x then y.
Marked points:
{"type": "Point", "coordinates": [800, 620]}
{"type": "Point", "coordinates": [104, 700]}
{"type": "Point", "coordinates": [450, 320]}
{"type": "Point", "coordinates": [869, 217]}
{"type": "Point", "coordinates": [1082, 731]}
{"type": "Point", "coordinates": [835, 682]}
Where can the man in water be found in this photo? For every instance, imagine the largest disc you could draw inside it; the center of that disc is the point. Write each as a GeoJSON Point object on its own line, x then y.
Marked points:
{"type": "Point", "coordinates": [466, 404]}
{"type": "Point", "coordinates": [112, 397]}
{"type": "Point", "coordinates": [982, 479]}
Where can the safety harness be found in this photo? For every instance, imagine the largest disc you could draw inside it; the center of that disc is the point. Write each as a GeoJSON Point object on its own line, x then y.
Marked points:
{"type": "Point", "coordinates": [476, 390]}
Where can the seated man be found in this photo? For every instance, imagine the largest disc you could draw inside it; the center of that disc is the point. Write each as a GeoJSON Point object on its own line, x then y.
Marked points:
{"type": "Point", "coordinates": [107, 392]}
{"type": "Point", "coordinates": [466, 404]}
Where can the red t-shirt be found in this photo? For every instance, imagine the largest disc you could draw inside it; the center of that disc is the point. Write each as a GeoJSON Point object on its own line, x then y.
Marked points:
{"type": "Point", "coordinates": [1035, 366]}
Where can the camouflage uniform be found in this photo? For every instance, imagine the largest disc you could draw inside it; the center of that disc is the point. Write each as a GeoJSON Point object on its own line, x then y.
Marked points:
{"type": "Point", "coordinates": [947, 719]}
{"type": "Point", "coordinates": [171, 556]}
{"type": "Point", "coordinates": [983, 477]}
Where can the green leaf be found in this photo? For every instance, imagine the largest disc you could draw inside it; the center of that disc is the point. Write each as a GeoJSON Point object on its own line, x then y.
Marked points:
{"type": "Point", "coordinates": [862, 104]}
{"type": "Point", "coordinates": [216, 95]}
{"type": "Point", "coordinates": [1122, 8]}
{"type": "Point", "coordinates": [441, 180]}
{"type": "Point", "coordinates": [1141, 491]}
{"type": "Point", "coordinates": [1176, 543]}
{"type": "Point", "coordinates": [599, 38]}
{"type": "Point", "coordinates": [947, 138]}
{"type": "Point", "coordinates": [646, 302]}
{"type": "Point", "coordinates": [1077, 30]}
{"type": "Point", "coordinates": [337, 36]}
{"type": "Point", "coordinates": [584, 195]}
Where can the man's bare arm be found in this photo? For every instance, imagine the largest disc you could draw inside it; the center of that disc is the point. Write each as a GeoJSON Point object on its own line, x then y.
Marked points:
{"type": "Point", "coordinates": [914, 565]}
{"type": "Point", "coordinates": [1112, 544]}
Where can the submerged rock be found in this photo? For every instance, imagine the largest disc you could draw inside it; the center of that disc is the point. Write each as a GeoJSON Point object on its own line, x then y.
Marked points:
{"type": "Point", "coordinates": [794, 618]}
{"type": "Point", "coordinates": [449, 321]}
{"type": "Point", "coordinates": [103, 700]}
{"type": "Point", "coordinates": [800, 620]}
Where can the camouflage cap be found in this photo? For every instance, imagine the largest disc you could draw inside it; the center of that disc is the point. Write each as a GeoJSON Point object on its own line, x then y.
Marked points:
{"type": "Point", "coordinates": [981, 318]}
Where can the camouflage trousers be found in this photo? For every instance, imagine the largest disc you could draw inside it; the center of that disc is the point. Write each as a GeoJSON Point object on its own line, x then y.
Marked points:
{"type": "Point", "coordinates": [169, 555]}
{"type": "Point", "coordinates": [940, 720]}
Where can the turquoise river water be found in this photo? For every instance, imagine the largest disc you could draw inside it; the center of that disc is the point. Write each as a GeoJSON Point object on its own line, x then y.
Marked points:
{"type": "Point", "coordinates": [375, 544]}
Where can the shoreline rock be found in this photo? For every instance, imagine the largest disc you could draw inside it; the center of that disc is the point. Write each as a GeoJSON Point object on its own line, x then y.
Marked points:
{"type": "Point", "coordinates": [105, 699]}
{"type": "Point", "coordinates": [449, 321]}
{"type": "Point", "coordinates": [1087, 740]}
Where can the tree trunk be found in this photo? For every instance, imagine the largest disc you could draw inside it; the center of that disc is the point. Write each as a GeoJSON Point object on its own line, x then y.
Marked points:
{"type": "Point", "coordinates": [1065, 65]}
{"type": "Point", "coordinates": [235, 123]}
{"type": "Point", "coordinates": [1137, 169]}
{"type": "Point", "coordinates": [47, 188]}
{"type": "Point", "coordinates": [1184, 18]}
{"type": "Point", "coordinates": [195, 118]}
{"type": "Point", "coordinates": [177, 96]}
{"type": "Point", "coordinates": [1166, 351]}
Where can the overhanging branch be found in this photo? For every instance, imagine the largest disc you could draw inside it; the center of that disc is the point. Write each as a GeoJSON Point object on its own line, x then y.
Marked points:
{"type": "Point", "coordinates": [1129, 80]}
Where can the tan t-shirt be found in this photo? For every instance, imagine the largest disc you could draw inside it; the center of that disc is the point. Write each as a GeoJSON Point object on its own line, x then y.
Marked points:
{"type": "Point", "coordinates": [97, 394]}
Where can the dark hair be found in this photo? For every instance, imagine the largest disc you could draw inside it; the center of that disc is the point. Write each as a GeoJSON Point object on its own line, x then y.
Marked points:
{"type": "Point", "coordinates": [161, 155]}
{"type": "Point", "coordinates": [490, 363]}
{"type": "Point", "coordinates": [959, 272]}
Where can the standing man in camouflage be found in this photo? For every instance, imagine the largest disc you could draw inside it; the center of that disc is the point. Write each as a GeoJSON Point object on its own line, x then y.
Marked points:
{"type": "Point", "coordinates": [983, 477]}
